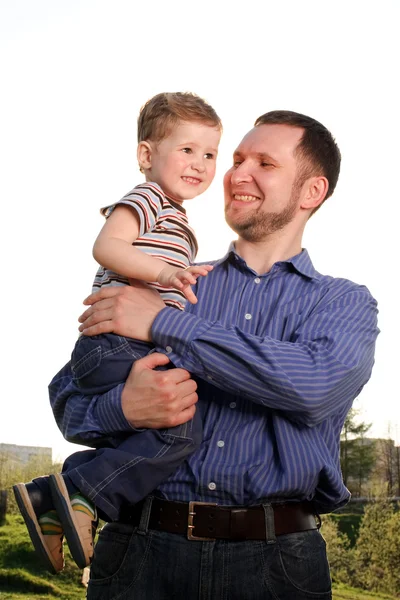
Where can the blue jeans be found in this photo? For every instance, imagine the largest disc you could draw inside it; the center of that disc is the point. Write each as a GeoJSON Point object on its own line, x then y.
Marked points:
{"type": "Point", "coordinates": [117, 476]}
{"type": "Point", "coordinates": [134, 563]}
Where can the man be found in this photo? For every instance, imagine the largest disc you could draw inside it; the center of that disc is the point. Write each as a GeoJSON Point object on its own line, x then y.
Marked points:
{"type": "Point", "coordinates": [279, 353]}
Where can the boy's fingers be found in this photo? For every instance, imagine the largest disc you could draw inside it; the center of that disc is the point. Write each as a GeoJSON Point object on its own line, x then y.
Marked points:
{"type": "Point", "coordinates": [190, 296]}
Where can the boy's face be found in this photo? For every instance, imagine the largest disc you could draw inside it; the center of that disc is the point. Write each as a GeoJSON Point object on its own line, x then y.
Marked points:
{"type": "Point", "coordinates": [183, 164]}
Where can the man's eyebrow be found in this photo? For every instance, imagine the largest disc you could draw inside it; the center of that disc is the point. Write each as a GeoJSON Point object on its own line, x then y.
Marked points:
{"type": "Point", "coordinates": [259, 155]}
{"type": "Point", "coordinates": [264, 156]}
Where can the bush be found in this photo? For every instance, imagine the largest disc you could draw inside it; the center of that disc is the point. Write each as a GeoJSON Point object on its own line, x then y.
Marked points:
{"type": "Point", "coordinates": [378, 549]}
{"type": "Point", "coordinates": [340, 554]}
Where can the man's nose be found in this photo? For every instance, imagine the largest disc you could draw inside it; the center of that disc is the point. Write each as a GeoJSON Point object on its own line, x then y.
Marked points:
{"type": "Point", "coordinates": [241, 174]}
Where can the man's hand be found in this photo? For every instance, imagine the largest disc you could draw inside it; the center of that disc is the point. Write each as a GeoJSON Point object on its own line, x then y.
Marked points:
{"type": "Point", "coordinates": [125, 310]}
{"type": "Point", "coordinates": [158, 399]}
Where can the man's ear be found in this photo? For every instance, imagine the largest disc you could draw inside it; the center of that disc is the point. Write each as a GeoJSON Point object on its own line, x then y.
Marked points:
{"type": "Point", "coordinates": [144, 152]}
{"type": "Point", "coordinates": [315, 192]}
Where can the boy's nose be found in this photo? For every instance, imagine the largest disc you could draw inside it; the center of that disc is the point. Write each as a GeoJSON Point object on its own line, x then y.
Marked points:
{"type": "Point", "coordinates": [198, 165]}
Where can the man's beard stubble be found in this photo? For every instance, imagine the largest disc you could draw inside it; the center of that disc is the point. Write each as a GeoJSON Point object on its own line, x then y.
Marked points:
{"type": "Point", "coordinates": [258, 225]}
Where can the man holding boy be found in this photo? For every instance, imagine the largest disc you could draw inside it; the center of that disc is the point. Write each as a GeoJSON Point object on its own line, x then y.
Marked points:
{"type": "Point", "coordinates": [279, 353]}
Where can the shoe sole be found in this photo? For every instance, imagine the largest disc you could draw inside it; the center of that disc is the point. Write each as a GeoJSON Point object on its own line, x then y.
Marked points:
{"type": "Point", "coordinates": [66, 514]}
{"type": "Point", "coordinates": [35, 533]}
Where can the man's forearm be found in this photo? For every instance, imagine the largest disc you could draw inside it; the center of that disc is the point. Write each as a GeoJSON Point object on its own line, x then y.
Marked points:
{"type": "Point", "coordinates": [309, 379]}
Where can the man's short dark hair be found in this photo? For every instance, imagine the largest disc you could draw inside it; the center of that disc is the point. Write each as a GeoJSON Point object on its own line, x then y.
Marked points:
{"type": "Point", "coordinates": [317, 148]}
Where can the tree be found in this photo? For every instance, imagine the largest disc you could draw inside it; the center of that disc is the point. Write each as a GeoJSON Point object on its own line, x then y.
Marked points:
{"type": "Point", "coordinates": [357, 453]}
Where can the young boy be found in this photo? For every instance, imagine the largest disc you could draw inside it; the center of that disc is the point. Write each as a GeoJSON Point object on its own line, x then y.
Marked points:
{"type": "Point", "coordinates": [146, 236]}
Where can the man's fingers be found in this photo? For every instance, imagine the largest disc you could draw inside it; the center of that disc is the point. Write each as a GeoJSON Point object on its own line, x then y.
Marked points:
{"type": "Point", "coordinates": [185, 415]}
{"type": "Point", "coordinates": [102, 294]}
{"type": "Point", "coordinates": [101, 305]}
{"type": "Point", "coordinates": [151, 361]}
{"type": "Point", "coordinates": [98, 317]}
{"type": "Point", "coordinates": [179, 375]}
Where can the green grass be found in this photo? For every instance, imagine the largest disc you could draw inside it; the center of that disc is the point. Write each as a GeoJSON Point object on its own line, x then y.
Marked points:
{"type": "Point", "coordinates": [21, 572]}
{"type": "Point", "coordinates": [343, 592]}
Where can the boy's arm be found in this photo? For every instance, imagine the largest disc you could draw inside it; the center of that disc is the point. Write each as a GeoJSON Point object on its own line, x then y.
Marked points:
{"type": "Point", "coordinates": [113, 250]}
{"type": "Point", "coordinates": [113, 247]}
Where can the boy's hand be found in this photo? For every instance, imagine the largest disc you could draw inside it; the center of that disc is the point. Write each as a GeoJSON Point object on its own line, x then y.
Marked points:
{"type": "Point", "coordinates": [182, 279]}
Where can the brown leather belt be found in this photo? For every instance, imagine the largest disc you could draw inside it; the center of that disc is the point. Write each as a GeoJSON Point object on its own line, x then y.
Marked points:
{"type": "Point", "coordinates": [206, 521]}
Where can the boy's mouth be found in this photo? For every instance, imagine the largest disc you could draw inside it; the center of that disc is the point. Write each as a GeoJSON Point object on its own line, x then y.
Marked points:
{"type": "Point", "coordinates": [192, 180]}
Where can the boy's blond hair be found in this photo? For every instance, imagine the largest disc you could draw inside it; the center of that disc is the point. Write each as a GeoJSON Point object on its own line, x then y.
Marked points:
{"type": "Point", "coordinates": [162, 112]}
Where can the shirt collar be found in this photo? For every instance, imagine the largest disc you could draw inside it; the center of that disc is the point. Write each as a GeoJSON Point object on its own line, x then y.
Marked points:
{"type": "Point", "coordinates": [301, 262]}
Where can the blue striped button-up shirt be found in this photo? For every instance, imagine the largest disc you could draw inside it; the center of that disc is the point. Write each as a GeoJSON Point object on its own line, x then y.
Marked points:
{"type": "Point", "coordinates": [279, 359]}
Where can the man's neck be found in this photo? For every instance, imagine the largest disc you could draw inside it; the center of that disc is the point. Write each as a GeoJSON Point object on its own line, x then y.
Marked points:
{"type": "Point", "coordinates": [261, 256]}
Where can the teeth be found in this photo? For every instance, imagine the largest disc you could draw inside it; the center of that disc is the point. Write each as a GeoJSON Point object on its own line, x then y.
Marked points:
{"type": "Point", "coordinates": [191, 180]}
{"type": "Point", "coordinates": [245, 198]}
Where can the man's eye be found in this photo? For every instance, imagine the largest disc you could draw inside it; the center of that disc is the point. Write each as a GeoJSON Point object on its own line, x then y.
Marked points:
{"type": "Point", "coordinates": [187, 150]}
{"type": "Point", "coordinates": [265, 164]}
{"type": "Point", "coordinates": [236, 163]}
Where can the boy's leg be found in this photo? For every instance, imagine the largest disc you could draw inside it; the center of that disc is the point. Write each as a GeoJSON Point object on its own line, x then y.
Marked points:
{"type": "Point", "coordinates": [111, 477]}
{"type": "Point", "coordinates": [36, 506]}
{"type": "Point", "coordinates": [116, 477]}
{"type": "Point", "coordinates": [78, 517]}
{"type": "Point", "coordinates": [101, 362]}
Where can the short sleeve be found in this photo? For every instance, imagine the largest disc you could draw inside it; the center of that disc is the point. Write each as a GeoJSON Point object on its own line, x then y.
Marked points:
{"type": "Point", "coordinates": [147, 199]}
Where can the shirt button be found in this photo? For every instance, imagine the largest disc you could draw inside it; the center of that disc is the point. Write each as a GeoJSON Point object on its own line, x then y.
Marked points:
{"type": "Point", "coordinates": [257, 280]}
{"type": "Point", "coordinates": [232, 405]}
{"type": "Point", "coordinates": [247, 316]}
{"type": "Point", "coordinates": [220, 443]}
{"type": "Point", "coordinates": [168, 349]}
{"type": "Point", "coordinates": [212, 486]}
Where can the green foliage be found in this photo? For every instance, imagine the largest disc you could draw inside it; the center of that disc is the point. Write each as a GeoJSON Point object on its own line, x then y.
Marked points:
{"type": "Point", "coordinates": [340, 554]}
{"type": "Point", "coordinates": [348, 524]}
{"type": "Point", "coordinates": [378, 549]}
{"type": "Point", "coordinates": [12, 471]}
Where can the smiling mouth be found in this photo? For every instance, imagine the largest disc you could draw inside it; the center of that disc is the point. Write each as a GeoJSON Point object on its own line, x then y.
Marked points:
{"type": "Point", "coordinates": [245, 198]}
{"type": "Point", "coordinates": [191, 180]}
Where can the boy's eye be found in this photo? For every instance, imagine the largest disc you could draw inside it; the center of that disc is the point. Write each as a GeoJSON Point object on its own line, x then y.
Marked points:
{"type": "Point", "coordinates": [187, 150]}
{"type": "Point", "coordinates": [209, 155]}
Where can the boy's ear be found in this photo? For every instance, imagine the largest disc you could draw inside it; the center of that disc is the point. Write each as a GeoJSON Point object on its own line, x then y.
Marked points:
{"type": "Point", "coordinates": [144, 152]}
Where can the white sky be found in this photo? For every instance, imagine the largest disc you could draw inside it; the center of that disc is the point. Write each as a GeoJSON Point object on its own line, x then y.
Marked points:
{"type": "Point", "coordinates": [73, 77]}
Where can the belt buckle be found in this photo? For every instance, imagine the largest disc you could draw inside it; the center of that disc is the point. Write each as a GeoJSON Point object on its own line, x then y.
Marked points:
{"type": "Point", "coordinates": [190, 525]}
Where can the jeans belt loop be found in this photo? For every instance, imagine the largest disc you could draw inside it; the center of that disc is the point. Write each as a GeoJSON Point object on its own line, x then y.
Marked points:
{"type": "Point", "coordinates": [269, 524]}
{"type": "Point", "coordinates": [145, 516]}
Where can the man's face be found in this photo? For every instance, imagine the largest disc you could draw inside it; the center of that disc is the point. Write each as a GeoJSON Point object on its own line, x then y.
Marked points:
{"type": "Point", "coordinates": [184, 163]}
{"type": "Point", "coordinates": [261, 190]}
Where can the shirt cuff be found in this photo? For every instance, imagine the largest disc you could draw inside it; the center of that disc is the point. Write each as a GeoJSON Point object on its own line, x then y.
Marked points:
{"type": "Point", "coordinates": [173, 332]}
{"type": "Point", "coordinates": [109, 414]}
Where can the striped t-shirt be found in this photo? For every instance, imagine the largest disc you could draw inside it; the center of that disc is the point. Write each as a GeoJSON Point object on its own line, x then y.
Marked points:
{"type": "Point", "coordinates": [164, 233]}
